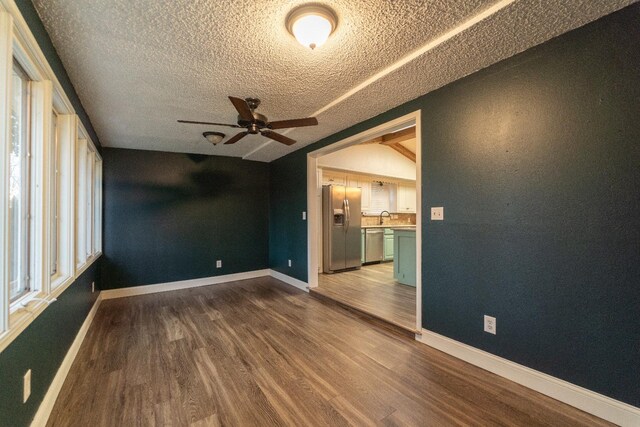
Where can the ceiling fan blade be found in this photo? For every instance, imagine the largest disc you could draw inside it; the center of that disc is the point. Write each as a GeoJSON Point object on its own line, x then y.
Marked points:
{"type": "Point", "coordinates": [242, 107]}
{"type": "Point", "coordinates": [293, 123]}
{"type": "Point", "coordinates": [277, 137]}
{"type": "Point", "coordinates": [208, 123]}
{"type": "Point", "coordinates": [237, 137]}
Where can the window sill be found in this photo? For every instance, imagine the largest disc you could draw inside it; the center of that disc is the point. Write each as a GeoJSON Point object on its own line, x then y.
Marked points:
{"type": "Point", "coordinates": [21, 317]}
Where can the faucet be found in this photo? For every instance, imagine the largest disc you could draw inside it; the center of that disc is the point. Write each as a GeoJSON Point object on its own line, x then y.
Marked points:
{"type": "Point", "coordinates": [388, 215]}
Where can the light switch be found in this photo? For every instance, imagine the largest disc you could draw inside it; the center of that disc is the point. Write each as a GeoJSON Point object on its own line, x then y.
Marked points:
{"type": "Point", "coordinates": [304, 216]}
{"type": "Point", "coordinates": [437, 214]}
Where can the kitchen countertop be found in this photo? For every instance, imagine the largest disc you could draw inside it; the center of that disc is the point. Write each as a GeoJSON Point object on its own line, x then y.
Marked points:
{"type": "Point", "coordinates": [394, 226]}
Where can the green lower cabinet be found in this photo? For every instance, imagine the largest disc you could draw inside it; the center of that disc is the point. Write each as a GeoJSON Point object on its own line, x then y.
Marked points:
{"type": "Point", "coordinates": [388, 246]}
{"type": "Point", "coordinates": [404, 261]}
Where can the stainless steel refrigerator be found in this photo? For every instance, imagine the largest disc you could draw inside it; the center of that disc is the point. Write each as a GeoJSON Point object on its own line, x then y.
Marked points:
{"type": "Point", "coordinates": [341, 228]}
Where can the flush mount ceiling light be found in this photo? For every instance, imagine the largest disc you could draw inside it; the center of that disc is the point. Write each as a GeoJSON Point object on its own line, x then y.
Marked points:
{"type": "Point", "coordinates": [311, 24]}
{"type": "Point", "coordinates": [214, 137]}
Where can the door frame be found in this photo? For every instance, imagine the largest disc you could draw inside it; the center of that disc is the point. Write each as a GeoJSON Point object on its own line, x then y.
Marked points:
{"type": "Point", "coordinates": [314, 222]}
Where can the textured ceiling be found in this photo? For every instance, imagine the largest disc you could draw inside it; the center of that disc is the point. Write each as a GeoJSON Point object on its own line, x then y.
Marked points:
{"type": "Point", "coordinates": [138, 66]}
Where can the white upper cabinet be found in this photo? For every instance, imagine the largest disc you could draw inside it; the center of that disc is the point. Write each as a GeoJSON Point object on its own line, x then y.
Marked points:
{"type": "Point", "coordinates": [377, 195]}
{"type": "Point", "coordinates": [406, 199]}
{"type": "Point", "coordinates": [333, 178]}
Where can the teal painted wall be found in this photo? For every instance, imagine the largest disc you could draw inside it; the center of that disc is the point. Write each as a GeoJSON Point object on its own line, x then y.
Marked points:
{"type": "Point", "coordinates": [170, 216]}
{"type": "Point", "coordinates": [536, 162]}
{"type": "Point", "coordinates": [42, 346]}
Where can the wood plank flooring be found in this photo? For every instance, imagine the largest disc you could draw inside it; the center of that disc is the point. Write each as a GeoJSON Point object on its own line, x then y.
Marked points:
{"type": "Point", "coordinates": [260, 353]}
{"type": "Point", "coordinates": [372, 290]}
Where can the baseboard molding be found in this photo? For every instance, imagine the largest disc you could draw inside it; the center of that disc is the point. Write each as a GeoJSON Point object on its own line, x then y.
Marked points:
{"type": "Point", "coordinates": [304, 286]}
{"type": "Point", "coordinates": [46, 406]}
{"type": "Point", "coordinates": [594, 403]}
{"type": "Point", "coordinates": [182, 284]}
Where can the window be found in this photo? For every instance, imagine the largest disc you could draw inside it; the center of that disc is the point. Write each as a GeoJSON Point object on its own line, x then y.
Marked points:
{"type": "Point", "coordinates": [54, 197]}
{"type": "Point", "coordinates": [50, 183]}
{"type": "Point", "coordinates": [89, 206]}
{"type": "Point", "coordinates": [19, 188]}
{"type": "Point", "coordinates": [88, 192]}
{"type": "Point", "coordinates": [97, 207]}
{"type": "Point", "coordinates": [81, 203]}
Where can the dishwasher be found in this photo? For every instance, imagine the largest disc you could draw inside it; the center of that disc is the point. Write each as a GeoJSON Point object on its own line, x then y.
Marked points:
{"type": "Point", "coordinates": [373, 244]}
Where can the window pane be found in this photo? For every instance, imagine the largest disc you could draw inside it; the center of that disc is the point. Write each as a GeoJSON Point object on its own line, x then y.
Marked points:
{"type": "Point", "coordinates": [55, 190]}
{"type": "Point", "coordinates": [97, 193]}
{"type": "Point", "coordinates": [89, 217]}
{"type": "Point", "coordinates": [81, 193]}
{"type": "Point", "coordinates": [19, 185]}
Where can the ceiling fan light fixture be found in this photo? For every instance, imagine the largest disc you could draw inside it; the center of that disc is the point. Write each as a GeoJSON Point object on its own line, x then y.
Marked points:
{"type": "Point", "coordinates": [214, 137]}
{"type": "Point", "coordinates": [311, 24]}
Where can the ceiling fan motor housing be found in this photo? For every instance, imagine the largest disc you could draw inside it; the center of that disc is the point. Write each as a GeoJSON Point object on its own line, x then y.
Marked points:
{"type": "Point", "coordinates": [258, 119]}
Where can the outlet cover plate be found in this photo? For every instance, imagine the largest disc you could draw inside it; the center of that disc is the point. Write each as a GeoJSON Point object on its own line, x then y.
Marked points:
{"type": "Point", "coordinates": [490, 324]}
{"type": "Point", "coordinates": [437, 214]}
{"type": "Point", "coordinates": [219, 263]}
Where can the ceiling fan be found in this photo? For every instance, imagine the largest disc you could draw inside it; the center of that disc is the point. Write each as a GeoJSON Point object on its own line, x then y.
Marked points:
{"type": "Point", "coordinates": [257, 123]}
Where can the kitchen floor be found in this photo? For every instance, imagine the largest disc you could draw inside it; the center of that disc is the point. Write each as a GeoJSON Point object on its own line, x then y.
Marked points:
{"type": "Point", "coordinates": [372, 290]}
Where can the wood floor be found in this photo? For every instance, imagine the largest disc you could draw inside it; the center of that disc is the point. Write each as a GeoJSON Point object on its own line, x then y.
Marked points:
{"type": "Point", "coordinates": [373, 290]}
{"type": "Point", "coordinates": [260, 353]}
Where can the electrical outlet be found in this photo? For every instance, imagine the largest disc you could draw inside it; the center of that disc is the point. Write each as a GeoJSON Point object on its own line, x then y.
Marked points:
{"type": "Point", "coordinates": [490, 324]}
{"type": "Point", "coordinates": [289, 263]}
{"type": "Point", "coordinates": [437, 214]}
{"type": "Point", "coordinates": [26, 391]}
{"type": "Point", "coordinates": [219, 263]}
{"type": "Point", "coordinates": [304, 216]}
{"type": "Point", "coordinates": [93, 287]}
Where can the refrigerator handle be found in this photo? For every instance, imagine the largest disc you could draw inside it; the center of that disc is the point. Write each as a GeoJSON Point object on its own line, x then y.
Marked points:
{"type": "Point", "coordinates": [347, 212]}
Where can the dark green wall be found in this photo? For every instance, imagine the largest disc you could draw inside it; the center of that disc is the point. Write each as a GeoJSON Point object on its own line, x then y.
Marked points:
{"type": "Point", "coordinates": [41, 348]}
{"type": "Point", "coordinates": [536, 161]}
{"type": "Point", "coordinates": [170, 216]}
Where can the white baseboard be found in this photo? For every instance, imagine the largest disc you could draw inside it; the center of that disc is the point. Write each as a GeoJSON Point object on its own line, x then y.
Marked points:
{"type": "Point", "coordinates": [289, 280]}
{"type": "Point", "coordinates": [46, 406]}
{"type": "Point", "coordinates": [182, 284]}
{"type": "Point", "coordinates": [594, 403]}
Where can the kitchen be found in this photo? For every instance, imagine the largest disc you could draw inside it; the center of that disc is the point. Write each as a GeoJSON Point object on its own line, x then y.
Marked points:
{"type": "Point", "coordinates": [367, 247]}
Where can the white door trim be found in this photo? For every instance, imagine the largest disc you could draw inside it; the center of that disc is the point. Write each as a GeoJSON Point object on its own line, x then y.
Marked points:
{"type": "Point", "coordinates": [314, 223]}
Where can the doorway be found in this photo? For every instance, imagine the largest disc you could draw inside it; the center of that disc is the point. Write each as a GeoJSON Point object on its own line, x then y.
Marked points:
{"type": "Point", "coordinates": [387, 292]}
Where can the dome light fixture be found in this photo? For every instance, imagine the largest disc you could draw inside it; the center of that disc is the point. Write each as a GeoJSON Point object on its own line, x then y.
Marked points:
{"type": "Point", "coordinates": [311, 24]}
{"type": "Point", "coordinates": [214, 137]}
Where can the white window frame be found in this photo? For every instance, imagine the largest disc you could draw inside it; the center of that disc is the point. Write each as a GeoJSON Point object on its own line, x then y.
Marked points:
{"type": "Point", "coordinates": [81, 195]}
{"type": "Point", "coordinates": [26, 200]}
{"type": "Point", "coordinates": [97, 208]}
{"type": "Point", "coordinates": [40, 118]}
{"type": "Point", "coordinates": [88, 168]}
{"type": "Point", "coordinates": [67, 130]}
{"type": "Point", "coordinates": [54, 198]}
{"type": "Point", "coordinates": [47, 96]}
